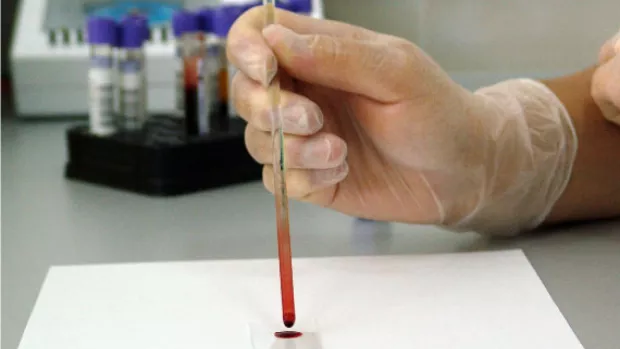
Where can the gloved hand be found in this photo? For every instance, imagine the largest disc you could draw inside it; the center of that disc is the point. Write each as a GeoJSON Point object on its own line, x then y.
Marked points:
{"type": "Point", "coordinates": [375, 128]}
{"type": "Point", "coordinates": [606, 80]}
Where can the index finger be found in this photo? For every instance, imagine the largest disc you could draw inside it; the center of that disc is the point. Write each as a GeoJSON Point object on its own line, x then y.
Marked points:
{"type": "Point", "coordinates": [247, 50]}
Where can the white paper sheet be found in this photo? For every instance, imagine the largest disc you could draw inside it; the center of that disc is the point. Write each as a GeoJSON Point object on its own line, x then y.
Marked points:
{"type": "Point", "coordinates": [486, 300]}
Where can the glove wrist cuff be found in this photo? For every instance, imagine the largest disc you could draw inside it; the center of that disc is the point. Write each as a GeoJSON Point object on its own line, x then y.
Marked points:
{"type": "Point", "coordinates": [529, 155]}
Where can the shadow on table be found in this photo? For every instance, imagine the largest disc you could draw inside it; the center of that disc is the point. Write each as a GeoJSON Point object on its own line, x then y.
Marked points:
{"type": "Point", "coordinates": [581, 236]}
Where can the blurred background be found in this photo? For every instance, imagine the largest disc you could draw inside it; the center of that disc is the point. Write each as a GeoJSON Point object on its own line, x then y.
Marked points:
{"type": "Point", "coordinates": [8, 17]}
{"type": "Point", "coordinates": [482, 41]}
{"type": "Point", "coordinates": [477, 41]}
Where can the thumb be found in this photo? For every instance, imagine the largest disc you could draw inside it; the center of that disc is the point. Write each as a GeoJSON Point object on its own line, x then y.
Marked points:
{"type": "Point", "coordinates": [375, 69]}
{"type": "Point", "coordinates": [610, 49]}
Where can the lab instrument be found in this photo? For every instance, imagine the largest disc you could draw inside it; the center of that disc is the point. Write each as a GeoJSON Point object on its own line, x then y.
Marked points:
{"type": "Point", "coordinates": [50, 55]}
{"type": "Point", "coordinates": [48, 72]}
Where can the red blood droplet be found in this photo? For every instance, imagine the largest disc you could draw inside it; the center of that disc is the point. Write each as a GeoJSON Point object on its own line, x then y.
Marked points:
{"type": "Point", "coordinates": [289, 319]}
{"type": "Point", "coordinates": [287, 334]}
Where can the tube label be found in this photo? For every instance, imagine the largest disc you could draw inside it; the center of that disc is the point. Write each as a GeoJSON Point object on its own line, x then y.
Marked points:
{"type": "Point", "coordinates": [101, 95]}
{"type": "Point", "coordinates": [132, 94]}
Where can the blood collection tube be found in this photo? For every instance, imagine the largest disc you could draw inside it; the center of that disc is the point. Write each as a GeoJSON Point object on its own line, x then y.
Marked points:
{"type": "Point", "coordinates": [225, 17]}
{"type": "Point", "coordinates": [133, 93]}
{"type": "Point", "coordinates": [189, 52]}
{"type": "Point", "coordinates": [211, 116]}
{"type": "Point", "coordinates": [302, 6]}
{"type": "Point", "coordinates": [102, 38]}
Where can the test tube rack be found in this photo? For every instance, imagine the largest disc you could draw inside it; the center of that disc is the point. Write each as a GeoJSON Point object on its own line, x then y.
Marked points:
{"type": "Point", "coordinates": [137, 162]}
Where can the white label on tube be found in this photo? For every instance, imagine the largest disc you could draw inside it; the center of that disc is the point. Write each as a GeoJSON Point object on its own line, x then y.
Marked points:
{"type": "Point", "coordinates": [101, 95]}
{"type": "Point", "coordinates": [131, 81]}
{"type": "Point", "coordinates": [132, 102]}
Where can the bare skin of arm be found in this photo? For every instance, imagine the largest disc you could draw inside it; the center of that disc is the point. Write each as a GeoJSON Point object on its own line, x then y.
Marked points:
{"type": "Point", "coordinates": [594, 188]}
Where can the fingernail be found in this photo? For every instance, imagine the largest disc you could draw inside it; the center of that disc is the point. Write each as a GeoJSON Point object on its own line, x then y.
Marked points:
{"type": "Point", "coordinates": [301, 119]}
{"type": "Point", "coordinates": [277, 34]}
{"type": "Point", "coordinates": [316, 152]}
{"type": "Point", "coordinates": [323, 152]}
{"type": "Point", "coordinates": [330, 176]}
{"type": "Point", "coordinates": [259, 65]}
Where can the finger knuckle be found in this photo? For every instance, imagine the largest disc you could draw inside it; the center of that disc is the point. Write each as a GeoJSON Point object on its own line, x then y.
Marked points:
{"type": "Point", "coordinates": [253, 144]}
{"type": "Point", "coordinates": [232, 43]}
{"type": "Point", "coordinates": [397, 59]}
{"type": "Point", "coordinates": [375, 57]}
{"type": "Point", "coordinates": [338, 152]}
{"type": "Point", "coordinates": [315, 42]}
{"type": "Point", "coordinates": [238, 96]}
{"type": "Point", "coordinates": [268, 178]}
{"type": "Point", "coordinates": [325, 48]}
{"type": "Point", "coordinates": [402, 44]}
{"type": "Point", "coordinates": [240, 31]}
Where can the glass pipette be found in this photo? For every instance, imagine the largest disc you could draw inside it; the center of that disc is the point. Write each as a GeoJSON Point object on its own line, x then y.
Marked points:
{"type": "Point", "coordinates": [282, 221]}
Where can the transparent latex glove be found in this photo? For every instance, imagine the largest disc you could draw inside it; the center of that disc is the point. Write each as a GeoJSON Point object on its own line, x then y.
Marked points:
{"type": "Point", "coordinates": [375, 129]}
{"type": "Point", "coordinates": [606, 80]}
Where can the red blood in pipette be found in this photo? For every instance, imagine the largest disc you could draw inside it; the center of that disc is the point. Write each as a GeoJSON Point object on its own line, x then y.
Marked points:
{"type": "Point", "coordinates": [286, 273]}
{"type": "Point", "coordinates": [287, 334]}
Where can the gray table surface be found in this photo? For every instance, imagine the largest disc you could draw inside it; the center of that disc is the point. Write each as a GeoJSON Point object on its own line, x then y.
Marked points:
{"type": "Point", "coordinates": [48, 220]}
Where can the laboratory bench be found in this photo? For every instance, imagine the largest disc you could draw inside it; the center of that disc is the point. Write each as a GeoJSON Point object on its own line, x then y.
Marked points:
{"type": "Point", "coordinates": [49, 220]}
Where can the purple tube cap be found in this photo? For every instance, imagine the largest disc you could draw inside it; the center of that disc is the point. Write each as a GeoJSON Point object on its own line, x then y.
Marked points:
{"type": "Point", "coordinates": [302, 6]}
{"type": "Point", "coordinates": [206, 17]}
{"type": "Point", "coordinates": [288, 6]}
{"type": "Point", "coordinates": [134, 31]}
{"type": "Point", "coordinates": [102, 31]}
{"type": "Point", "coordinates": [185, 22]}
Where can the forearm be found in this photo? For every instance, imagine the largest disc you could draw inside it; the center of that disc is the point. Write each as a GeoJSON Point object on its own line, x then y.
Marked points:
{"type": "Point", "coordinates": [593, 191]}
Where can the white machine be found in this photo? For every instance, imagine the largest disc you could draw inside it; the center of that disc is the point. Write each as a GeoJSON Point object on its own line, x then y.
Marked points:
{"type": "Point", "coordinates": [49, 56]}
